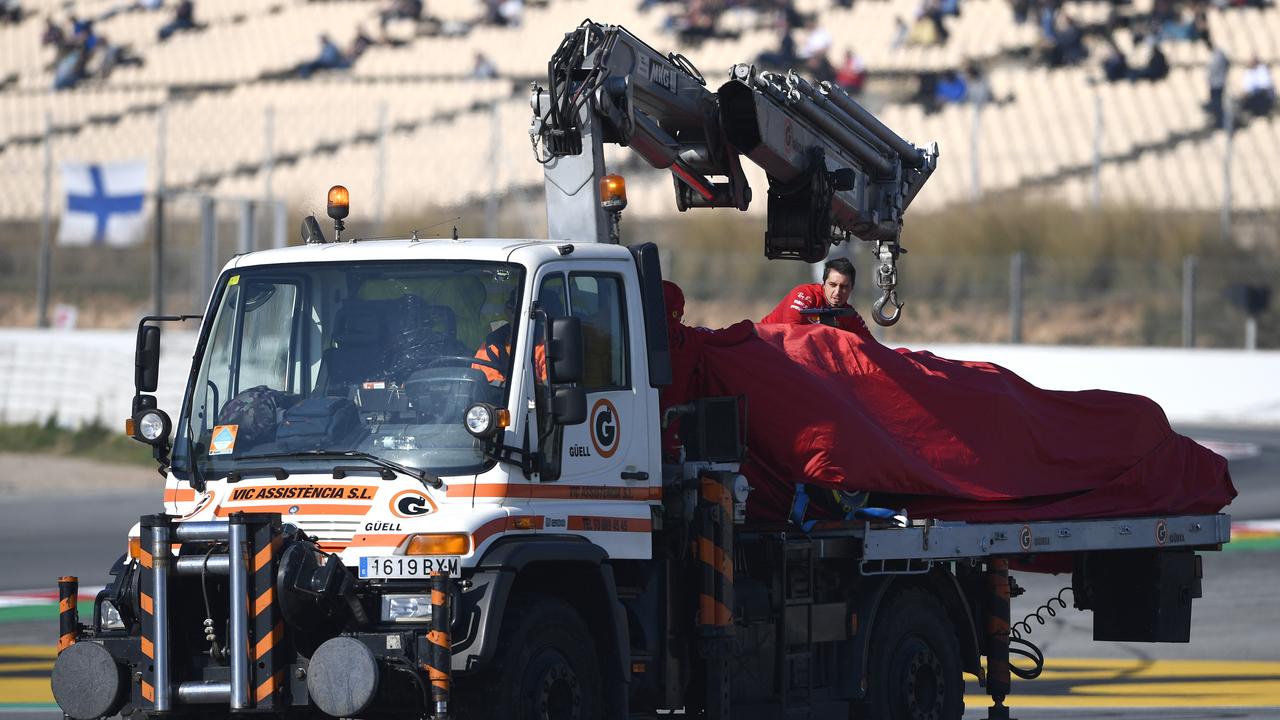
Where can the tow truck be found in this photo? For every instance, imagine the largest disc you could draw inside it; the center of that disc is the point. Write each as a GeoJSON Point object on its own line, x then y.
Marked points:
{"type": "Point", "coordinates": [423, 477]}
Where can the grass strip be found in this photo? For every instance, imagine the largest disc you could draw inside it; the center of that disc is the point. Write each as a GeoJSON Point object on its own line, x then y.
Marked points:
{"type": "Point", "coordinates": [93, 441]}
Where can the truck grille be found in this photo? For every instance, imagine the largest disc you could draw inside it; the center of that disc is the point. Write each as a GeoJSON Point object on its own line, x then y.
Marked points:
{"type": "Point", "coordinates": [333, 535]}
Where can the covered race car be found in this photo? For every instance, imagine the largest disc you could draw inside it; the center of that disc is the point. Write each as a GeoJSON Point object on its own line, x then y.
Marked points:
{"type": "Point", "coordinates": [942, 438]}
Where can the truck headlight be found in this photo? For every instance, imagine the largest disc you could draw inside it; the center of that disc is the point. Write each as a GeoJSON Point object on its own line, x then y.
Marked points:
{"type": "Point", "coordinates": [151, 426]}
{"type": "Point", "coordinates": [109, 616]}
{"type": "Point", "coordinates": [406, 608]}
{"type": "Point", "coordinates": [484, 420]}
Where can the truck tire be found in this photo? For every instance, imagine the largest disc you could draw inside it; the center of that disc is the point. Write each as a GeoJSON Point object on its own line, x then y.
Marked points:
{"type": "Point", "coordinates": [545, 668]}
{"type": "Point", "coordinates": [913, 665]}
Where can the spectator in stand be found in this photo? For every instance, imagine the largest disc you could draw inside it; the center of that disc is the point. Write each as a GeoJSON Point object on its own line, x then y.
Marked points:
{"type": "Point", "coordinates": [1021, 10]}
{"type": "Point", "coordinates": [400, 10]}
{"type": "Point", "coordinates": [979, 89]}
{"type": "Point", "coordinates": [113, 56]}
{"type": "Point", "coordinates": [184, 18]}
{"type": "Point", "coordinates": [72, 65]}
{"type": "Point", "coordinates": [10, 12]}
{"type": "Point", "coordinates": [483, 68]}
{"type": "Point", "coordinates": [817, 40]}
{"type": "Point", "coordinates": [54, 36]}
{"type": "Point", "coordinates": [1067, 46]}
{"type": "Point", "coordinates": [927, 92]}
{"type": "Point", "coordinates": [923, 32]}
{"type": "Point", "coordinates": [901, 33]}
{"type": "Point", "coordinates": [331, 57]}
{"type": "Point", "coordinates": [852, 74]}
{"type": "Point", "coordinates": [932, 12]}
{"type": "Point", "coordinates": [951, 88]}
{"type": "Point", "coordinates": [695, 23]}
{"type": "Point", "coordinates": [1259, 89]}
{"type": "Point", "coordinates": [1219, 66]}
{"type": "Point", "coordinates": [1157, 67]}
{"type": "Point", "coordinates": [785, 56]}
{"type": "Point", "coordinates": [85, 37]}
{"type": "Point", "coordinates": [504, 12]}
{"type": "Point", "coordinates": [1049, 21]}
{"type": "Point", "coordinates": [1200, 24]}
{"type": "Point", "coordinates": [359, 44]}
{"type": "Point", "coordinates": [1115, 66]}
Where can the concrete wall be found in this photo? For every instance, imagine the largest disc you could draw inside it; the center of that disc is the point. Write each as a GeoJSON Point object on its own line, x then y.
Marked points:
{"type": "Point", "coordinates": [85, 375]}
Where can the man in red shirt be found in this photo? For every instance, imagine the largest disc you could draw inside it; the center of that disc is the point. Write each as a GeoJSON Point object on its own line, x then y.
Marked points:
{"type": "Point", "coordinates": [833, 292]}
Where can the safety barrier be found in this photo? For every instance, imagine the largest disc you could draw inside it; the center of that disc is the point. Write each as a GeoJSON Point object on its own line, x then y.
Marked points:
{"type": "Point", "coordinates": [82, 376]}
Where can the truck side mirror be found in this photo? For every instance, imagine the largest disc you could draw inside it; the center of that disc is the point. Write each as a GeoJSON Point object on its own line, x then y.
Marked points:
{"type": "Point", "coordinates": [146, 360]}
{"type": "Point", "coordinates": [564, 351]}
{"type": "Point", "coordinates": [569, 406]}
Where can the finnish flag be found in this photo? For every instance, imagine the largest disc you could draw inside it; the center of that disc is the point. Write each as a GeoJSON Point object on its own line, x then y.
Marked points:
{"type": "Point", "coordinates": [104, 204]}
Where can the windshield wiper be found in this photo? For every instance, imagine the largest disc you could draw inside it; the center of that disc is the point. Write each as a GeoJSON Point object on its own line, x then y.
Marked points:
{"type": "Point", "coordinates": [421, 476]}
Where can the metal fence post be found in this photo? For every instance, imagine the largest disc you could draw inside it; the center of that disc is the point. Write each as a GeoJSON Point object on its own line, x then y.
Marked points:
{"type": "Point", "coordinates": [1229, 127]}
{"type": "Point", "coordinates": [495, 157]}
{"type": "Point", "coordinates": [268, 154]}
{"type": "Point", "coordinates": [247, 228]}
{"type": "Point", "coordinates": [157, 249]}
{"type": "Point", "coordinates": [1189, 301]}
{"type": "Point", "coordinates": [1016, 262]}
{"type": "Point", "coordinates": [279, 223]}
{"type": "Point", "coordinates": [208, 250]}
{"type": "Point", "coordinates": [975, 166]}
{"type": "Point", "coordinates": [1097, 149]}
{"type": "Point", "coordinates": [380, 171]}
{"type": "Point", "coordinates": [46, 230]}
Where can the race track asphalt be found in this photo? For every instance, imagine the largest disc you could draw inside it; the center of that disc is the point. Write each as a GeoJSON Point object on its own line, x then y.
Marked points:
{"type": "Point", "coordinates": [1229, 670]}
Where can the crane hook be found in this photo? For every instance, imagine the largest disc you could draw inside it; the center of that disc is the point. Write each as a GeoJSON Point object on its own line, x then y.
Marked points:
{"type": "Point", "coordinates": [877, 308]}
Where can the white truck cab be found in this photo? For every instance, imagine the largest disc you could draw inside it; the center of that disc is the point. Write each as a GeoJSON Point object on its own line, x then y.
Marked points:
{"type": "Point", "coordinates": [370, 348]}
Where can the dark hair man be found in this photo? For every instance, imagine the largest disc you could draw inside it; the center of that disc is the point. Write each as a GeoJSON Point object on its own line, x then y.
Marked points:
{"type": "Point", "coordinates": [833, 293]}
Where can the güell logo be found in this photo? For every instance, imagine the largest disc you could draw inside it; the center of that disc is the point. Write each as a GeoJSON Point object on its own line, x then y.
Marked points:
{"type": "Point", "coordinates": [605, 428]}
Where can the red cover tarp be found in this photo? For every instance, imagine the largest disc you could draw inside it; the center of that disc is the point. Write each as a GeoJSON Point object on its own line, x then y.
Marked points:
{"type": "Point", "coordinates": [942, 438]}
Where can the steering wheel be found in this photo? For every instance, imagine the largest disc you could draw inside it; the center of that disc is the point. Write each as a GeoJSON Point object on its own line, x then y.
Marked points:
{"type": "Point", "coordinates": [463, 360]}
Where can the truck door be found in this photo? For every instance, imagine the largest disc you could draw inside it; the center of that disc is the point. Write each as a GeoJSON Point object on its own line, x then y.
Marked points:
{"type": "Point", "coordinates": [602, 484]}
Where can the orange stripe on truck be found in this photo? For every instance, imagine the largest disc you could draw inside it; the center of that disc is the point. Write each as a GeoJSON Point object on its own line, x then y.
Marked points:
{"type": "Point", "coordinates": [176, 495]}
{"type": "Point", "coordinates": [264, 600]}
{"type": "Point", "coordinates": [263, 557]}
{"type": "Point", "coordinates": [265, 644]}
{"type": "Point", "coordinates": [599, 523]}
{"type": "Point", "coordinates": [268, 686]}
{"type": "Point", "coordinates": [377, 540]}
{"type": "Point", "coordinates": [517, 490]}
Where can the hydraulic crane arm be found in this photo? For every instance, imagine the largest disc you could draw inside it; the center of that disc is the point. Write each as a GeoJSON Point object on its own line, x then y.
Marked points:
{"type": "Point", "coordinates": [835, 172]}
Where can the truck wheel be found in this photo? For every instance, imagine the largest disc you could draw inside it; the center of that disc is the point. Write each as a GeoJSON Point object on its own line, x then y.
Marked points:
{"type": "Point", "coordinates": [545, 667]}
{"type": "Point", "coordinates": [913, 665]}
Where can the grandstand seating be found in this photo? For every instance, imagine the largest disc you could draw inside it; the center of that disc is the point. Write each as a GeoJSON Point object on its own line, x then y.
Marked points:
{"type": "Point", "coordinates": [439, 149]}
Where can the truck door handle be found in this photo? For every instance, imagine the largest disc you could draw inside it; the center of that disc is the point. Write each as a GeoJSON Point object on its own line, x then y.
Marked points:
{"type": "Point", "coordinates": [641, 475]}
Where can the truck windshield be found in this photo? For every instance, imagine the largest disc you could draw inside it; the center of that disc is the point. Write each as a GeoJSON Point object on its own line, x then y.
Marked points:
{"type": "Point", "coordinates": [377, 358]}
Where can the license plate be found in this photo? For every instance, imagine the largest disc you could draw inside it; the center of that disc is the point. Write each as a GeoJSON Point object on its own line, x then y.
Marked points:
{"type": "Point", "coordinates": [396, 567]}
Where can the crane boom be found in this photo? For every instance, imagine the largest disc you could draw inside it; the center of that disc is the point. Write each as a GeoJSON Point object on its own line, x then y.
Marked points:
{"type": "Point", "coordinates": [835, 172]}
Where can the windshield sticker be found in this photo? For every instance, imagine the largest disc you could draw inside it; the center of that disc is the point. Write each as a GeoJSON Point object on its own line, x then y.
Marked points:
{"type": "Point", "coordinates": [235, 280]}
{"type": "Point", "coordinates": [224, 439]}
{"type": "Point", "coordinates": [374, 385]}
{"type": "Point", "coordinates": [605, 428]}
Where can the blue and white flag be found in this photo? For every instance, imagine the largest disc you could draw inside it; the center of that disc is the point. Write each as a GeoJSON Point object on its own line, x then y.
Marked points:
{"type": "Point", "coordinates": [104, 204]}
